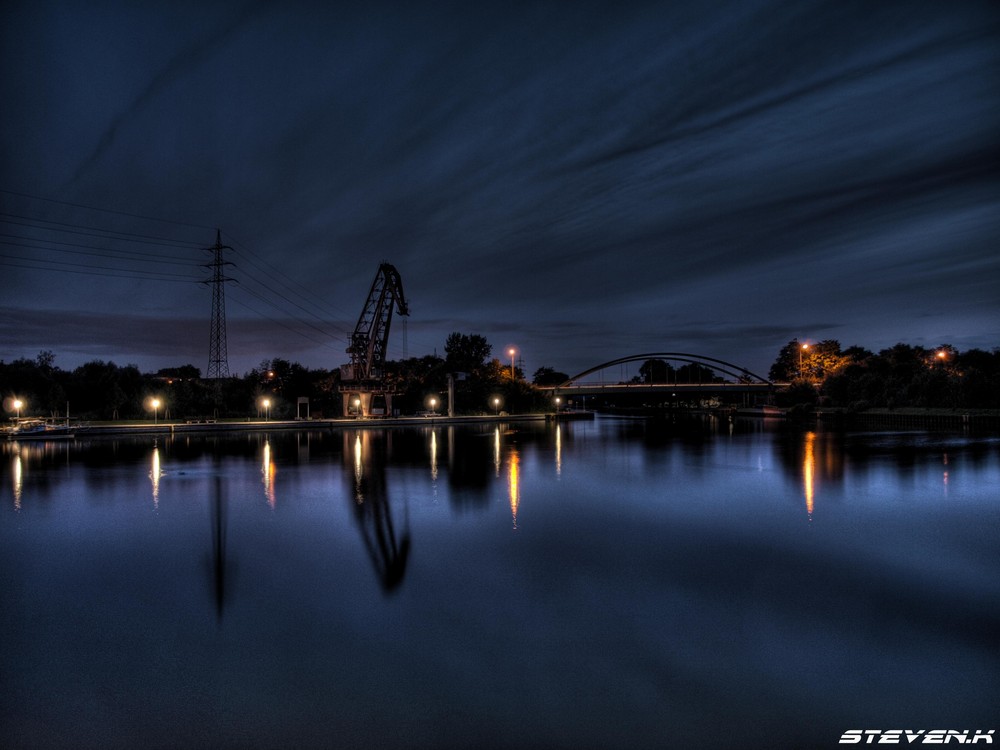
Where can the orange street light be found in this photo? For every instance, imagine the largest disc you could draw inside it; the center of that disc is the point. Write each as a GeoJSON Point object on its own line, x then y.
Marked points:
{"type": "Point", "coordinates": [804, 347]}
{"type": "Point", "coordinates": [512, 352]}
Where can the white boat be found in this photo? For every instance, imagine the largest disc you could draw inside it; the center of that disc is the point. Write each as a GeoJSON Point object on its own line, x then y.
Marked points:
{"type": "Point", "coordinates": [31, 428]}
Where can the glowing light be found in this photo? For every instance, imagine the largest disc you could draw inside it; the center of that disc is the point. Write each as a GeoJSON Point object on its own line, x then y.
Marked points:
{"type": "Point", "coordinates": [266, 403]}
{"type": "Point", "coordinates": [942, 354]}
{"type": "Point", "coordinates": [358, 467]}
{"type": "Point", "coordinates": [154, 404]}
{"type": "Point", "coordinates": [154, 476]}
{"type": "Point", "coordinates": [512, 352]}
{"type": "Point", "coordinates": [809, 472]}
{"type": "Point", "coordinates": [18, 481]}
{"type": "Point", "coordinates": [267, 473]}
{"type": "Point", "coordinates": [514, 484]}
{"type": "Point", "coordinates": [18, 403]}
{"type": "Point", "coordinates": [434, 455]}
{"type": "Point", "coordinates": [558, 449]}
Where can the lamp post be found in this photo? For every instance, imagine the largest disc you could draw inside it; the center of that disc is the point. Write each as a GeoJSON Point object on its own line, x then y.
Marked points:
{"type": "Point", "coordinates": [18, 403]}
{"type": "Point", "coordinates": [433, 403]}
{"type": "Point", "coordinates": [357, 407]}
{"type": "Point", "coordinates": [266, 403]}
{"type": "Point", "coordinates": [803, 348]}
{"type": "Point", "coordinates": [155, 403]}
{"type": "Point", "coordinates": [511, 352]}
{"type": "Point", "coordinates": [496, 405]}
{"type": "Point", "coordinates": [558, 401]}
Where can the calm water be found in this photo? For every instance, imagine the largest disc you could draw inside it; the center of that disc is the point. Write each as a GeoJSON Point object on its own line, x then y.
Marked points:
{"type": "Point", "coordinates": [591, 584]}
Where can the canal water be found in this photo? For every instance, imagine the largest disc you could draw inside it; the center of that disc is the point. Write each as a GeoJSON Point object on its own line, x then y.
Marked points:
{"type": "Point", "coordinates": [602, 584]}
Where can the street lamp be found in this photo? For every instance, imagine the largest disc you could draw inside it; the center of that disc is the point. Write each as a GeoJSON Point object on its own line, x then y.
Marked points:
{"type": "Point", "coordinates": [433, 403]}
{"type": "Point", "coordinates": [357, 407]}
{"type": "Point", "coordinates": [266, 403]}
{"type": "Point", "coordinates": [496, 405]}
{"type": "Point", "coordinates": [155, 403]}
{"type": "Point", "coordinates": [18, 403]}
{"type": "Point", "coordinates": [511, 352]}
{"type": "Point", "coordinates": [804, 347]}
{"type": "Point", "coordinates": [558, 401]}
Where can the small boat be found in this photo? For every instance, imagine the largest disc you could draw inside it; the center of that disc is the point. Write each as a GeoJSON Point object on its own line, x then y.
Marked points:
{"type": "Point", "coordinates": [40, 429]}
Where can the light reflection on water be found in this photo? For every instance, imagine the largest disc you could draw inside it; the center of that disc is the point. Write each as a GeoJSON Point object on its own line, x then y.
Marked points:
{"type": "Point", "coordinates": [616, 583]}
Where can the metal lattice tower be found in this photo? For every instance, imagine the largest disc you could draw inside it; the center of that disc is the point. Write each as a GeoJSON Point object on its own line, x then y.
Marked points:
{"type": "Point", "coordinates": [218, 354]}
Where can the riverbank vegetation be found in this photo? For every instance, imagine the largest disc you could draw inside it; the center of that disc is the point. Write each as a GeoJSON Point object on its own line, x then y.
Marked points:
{"type": "Point", "coordinates": [100, 390]}
{"type": "Point", "coordinates": [820, 374]}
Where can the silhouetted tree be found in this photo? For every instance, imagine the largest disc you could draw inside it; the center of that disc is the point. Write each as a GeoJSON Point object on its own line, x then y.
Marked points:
{"type": "Point", "coordinates": [548, 376]}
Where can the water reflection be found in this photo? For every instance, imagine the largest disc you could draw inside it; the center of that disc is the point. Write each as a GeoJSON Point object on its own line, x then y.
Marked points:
{"type": "Point", "coordinates": [218, 564]}
{"type": "Point", "coordinates": [809, 472]}
{"type": "Point", "coordinates": [18, 477]}
{"type": "Point", "coordinates": [514, 484]}
{"type": "Point", "coordinates": [434, 456]}
{"type": "Point", "coordinates": [154, 475]}
{"type": "Point", "coordinates": [371, 511]}
{"type": "Point", "coordinates": [267, 472]}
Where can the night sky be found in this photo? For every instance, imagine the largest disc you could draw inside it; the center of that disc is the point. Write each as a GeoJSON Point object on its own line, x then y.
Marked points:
{"type": "Point", "coordinates": [583, 181]}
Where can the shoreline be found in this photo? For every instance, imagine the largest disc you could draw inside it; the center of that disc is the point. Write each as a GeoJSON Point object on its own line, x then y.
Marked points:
{"type": "Point", "coordinates": [204, 427]}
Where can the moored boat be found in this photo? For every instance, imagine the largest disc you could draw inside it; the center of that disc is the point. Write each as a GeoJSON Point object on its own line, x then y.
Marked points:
{"type": "Point", "coordinates": [41, 429]}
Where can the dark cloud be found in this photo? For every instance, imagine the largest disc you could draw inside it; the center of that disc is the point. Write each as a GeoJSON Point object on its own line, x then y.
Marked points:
{"type": "Point", "coordinates": [580, 183]}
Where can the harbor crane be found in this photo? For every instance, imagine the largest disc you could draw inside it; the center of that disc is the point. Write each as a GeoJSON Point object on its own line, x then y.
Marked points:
{"type": "Point", "coordinates": [362, 382]}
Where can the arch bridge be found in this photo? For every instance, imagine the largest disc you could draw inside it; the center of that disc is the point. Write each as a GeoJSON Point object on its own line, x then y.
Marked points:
{"type": "Point", "coordinates": [741, 380]}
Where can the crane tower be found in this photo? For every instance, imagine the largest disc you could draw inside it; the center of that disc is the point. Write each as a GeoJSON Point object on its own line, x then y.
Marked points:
{"type": "Point", "coordinates": [362, 382]}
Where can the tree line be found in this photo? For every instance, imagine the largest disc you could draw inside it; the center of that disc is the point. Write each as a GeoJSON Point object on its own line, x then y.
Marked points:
{"type": "Point", "coordinates": [100, 390]}
{"type": "Point", "coordinates": [824, 374]}
{"type": "Point", "coordinates": [819, 373]}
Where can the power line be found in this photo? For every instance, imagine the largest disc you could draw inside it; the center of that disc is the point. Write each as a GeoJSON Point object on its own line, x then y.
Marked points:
{"type": "Point", "coordinates": [134, 275]}
{"type": "Point", "coordinates": [148, 257]}
{"type": "Point", "coordinates": [105, 233]}
{"type": "Point", "coordinates": [279, 322]}
{"type": "Point", "coordinates": [104, 210]}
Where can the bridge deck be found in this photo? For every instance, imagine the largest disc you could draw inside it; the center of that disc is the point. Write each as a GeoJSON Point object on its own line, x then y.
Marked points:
{"type": "Point", "coordinates": [610, 388]}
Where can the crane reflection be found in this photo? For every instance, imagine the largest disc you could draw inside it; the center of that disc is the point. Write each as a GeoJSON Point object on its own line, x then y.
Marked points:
{"type": "Point", "coordinates": [387, 551]}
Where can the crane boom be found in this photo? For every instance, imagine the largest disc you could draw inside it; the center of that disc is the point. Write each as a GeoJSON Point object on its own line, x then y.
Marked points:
{"type": "Point", "coordinates": [365, 375]}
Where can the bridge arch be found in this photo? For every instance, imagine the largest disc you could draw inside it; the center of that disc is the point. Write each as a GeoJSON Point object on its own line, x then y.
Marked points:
{"type": "Point", "coordinates": [718, 365]}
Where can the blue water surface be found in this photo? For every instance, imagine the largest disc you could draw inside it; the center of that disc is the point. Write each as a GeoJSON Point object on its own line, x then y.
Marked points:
{"type": "Point", "coordinates": [608, 583]}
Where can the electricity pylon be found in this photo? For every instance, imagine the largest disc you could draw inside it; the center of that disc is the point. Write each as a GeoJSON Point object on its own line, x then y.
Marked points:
{"type": "Point", "coordinates": [218, 354]}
